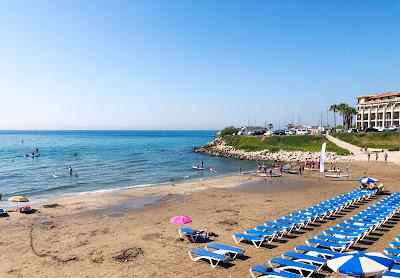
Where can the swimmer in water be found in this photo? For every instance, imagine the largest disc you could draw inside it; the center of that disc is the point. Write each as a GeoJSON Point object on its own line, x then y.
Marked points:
{"type": "Point", "coordinates": [70, 170]}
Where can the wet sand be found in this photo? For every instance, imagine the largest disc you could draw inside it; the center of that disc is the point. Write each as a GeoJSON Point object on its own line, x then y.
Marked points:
{"type": "Point", "coordinates": [127, 233]}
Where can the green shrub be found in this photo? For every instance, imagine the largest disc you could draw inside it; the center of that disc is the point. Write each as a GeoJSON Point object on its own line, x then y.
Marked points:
{"type": "Point", "coordinates": [230, 130]}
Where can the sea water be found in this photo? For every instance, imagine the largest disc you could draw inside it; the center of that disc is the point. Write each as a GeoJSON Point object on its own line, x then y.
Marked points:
{"type": "Point", "coordinates": [105, 160]}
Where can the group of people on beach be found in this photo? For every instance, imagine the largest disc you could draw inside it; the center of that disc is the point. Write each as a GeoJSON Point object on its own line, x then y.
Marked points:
{"type": "Point", "coordinates": [385, 156]}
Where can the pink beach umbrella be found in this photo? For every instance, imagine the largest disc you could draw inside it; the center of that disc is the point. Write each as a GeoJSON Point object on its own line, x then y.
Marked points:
{"type": "Point", "coordinates": [180, 219]}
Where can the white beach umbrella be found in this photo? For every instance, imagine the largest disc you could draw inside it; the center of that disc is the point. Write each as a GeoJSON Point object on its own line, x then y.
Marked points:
{"type": "Point", "coordinates": [361, 264]}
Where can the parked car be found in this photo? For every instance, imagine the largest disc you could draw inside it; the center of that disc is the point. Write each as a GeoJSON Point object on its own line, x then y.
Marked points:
{"type": "Point", "coordinates": [394, 128]}
{"type": "Point", "coordinates": [257, 132]}
{"type": "Point", "coordinates": [371, 129]}
{"type": "Point", "coordinates": [352, 130]}
{"type": "Point", "coordinates": [279, 132]}
{"type": "Point", "coordinates": [303, 131]}
{"type": "Point", "coordinates": [289, 132]}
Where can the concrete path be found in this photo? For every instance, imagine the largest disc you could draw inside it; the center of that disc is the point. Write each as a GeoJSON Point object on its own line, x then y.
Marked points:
{"type": "Point", "coordinates": [344, 145]}
{"type": "Point", "coordinates": [360, 155]}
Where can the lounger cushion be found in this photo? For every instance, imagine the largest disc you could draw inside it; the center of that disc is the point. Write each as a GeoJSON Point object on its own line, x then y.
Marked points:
{"type": "Point", "coordinates": [285, 262]}
{"type": "Point", "coordinates": [226, 248]}
{"type": "Point", "coordinates": [204, 253]}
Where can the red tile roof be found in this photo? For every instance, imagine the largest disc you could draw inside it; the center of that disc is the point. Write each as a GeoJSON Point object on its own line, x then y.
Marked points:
{"type": "Point", "coordinates": [387, 94]}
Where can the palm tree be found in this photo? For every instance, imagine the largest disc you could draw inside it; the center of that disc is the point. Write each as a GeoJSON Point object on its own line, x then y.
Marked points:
{"type": "Point", "coordinates": [334, 109]}
{"type": "Point", "coordinates": [349, 112]}
{"type": "Point", "coordinates": [342, 109]}
{"type": "Point", "coordinates": [289, 126]}
{"type": "Point", "coordinates": [270, 126]}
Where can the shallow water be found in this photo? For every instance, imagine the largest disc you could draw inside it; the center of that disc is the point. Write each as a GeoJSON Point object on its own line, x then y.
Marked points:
{"type": "Point", "coordinates": [105, 160]}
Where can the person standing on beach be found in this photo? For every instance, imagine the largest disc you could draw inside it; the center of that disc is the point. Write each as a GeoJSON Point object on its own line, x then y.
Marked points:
{"type": "Point", "coordinates": [376, 156]}
{"type": "Point", "coordinates": [369, 156]}
{"type": "Point", "coordinates": [385, 156]}
{"type": "Point", "coordinates": [1, 197]}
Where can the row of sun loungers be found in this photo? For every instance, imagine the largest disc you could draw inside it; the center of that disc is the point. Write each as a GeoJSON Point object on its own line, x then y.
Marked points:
{"type": "Point", "coordinates": [310, 258]}
{"type": "Point", "coordinates": [269, 231]}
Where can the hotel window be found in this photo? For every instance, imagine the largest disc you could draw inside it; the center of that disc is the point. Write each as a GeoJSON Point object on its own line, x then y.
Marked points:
{"type": "Point", "coordinates": [373, 116]}
{"type": "Point", "coordinates": [396, 115]}
{"type": "Point", "coordinates": [365, 117]}
{"type": "Point", "coordinates": [358, 116]}
{"type": "Point", "coordinates": [380, 116]}
{"type": "Point", "coordinates": [388, 115]}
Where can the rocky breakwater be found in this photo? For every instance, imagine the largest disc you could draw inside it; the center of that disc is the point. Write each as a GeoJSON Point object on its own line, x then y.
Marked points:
{"type": "Point", "coordinates": [219, 148]}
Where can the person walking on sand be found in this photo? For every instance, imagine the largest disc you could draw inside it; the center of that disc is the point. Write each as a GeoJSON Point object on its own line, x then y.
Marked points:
{"type": "Point", "coordinates": [385, 156]}
{"type": "Point", "coordinates": [369, 156]}
{"type": "Point", "coordinates": [376, 156]}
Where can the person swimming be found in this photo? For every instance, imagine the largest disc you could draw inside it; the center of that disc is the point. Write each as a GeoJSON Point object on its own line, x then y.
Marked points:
{"type": "Point", "coordinates": [70, 170]}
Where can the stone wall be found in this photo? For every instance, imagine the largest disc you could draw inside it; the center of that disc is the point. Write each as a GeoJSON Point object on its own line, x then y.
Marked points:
{"type": "Point", "coordinates": [218, 148]}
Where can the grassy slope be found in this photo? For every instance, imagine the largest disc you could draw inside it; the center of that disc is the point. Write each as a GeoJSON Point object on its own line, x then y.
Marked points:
{"type": "Point", "coordinates": [384, 140]}
{"type": "Point", "coordinates": [311, 143]}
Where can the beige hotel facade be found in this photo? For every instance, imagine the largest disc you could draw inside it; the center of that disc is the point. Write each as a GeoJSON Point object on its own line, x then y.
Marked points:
{"type": "Point", "coordinates": [381, 110]}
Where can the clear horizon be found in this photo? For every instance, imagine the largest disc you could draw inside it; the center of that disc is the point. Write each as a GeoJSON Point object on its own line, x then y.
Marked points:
{"type": "Point", "coordinates": [187, 65]}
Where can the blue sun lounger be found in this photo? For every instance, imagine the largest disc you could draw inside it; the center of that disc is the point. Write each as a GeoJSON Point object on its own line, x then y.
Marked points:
{"type": "Point", "coordinates": [392, 251]}
{"type": "Point", "coordinates": [192, 233]}
{"type": "Point", "coordinates": [3, 212]}
{"type": "Point", "coordinates": [304, 270]}
{"type": "Point", "coordinates": [270, 272]}
{"type": "Point", "coordinates": [391, 274]}
{"type": "Point", "coordinates": [325, 253]}
{"type": "Point", "coordinates": [334, 246]}
{"type": "Point", "coordinates": [303, 258]}
{"type": "Point", "coordinates": [257, 241]}
{"type": "Point", "coordinates": [213, 257]}
{"type": "Point", "coordinates": [231, 251]}
{"type": "Point", "coordinates": [340, 240]}
{"type": "Point", "coordinates": [395, 244]}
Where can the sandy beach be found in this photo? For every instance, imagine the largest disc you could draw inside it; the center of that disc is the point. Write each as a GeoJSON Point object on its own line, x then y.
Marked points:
{"type": "Point", "coordinates": [127, 233]}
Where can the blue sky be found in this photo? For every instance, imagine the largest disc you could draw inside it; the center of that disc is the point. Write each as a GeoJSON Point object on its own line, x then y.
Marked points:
{"type": "Point", "coordinates": [190, 64]}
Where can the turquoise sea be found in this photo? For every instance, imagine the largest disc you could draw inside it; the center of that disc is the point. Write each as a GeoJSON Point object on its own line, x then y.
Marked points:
{"type": "Point", "coordinates": [104, 160]}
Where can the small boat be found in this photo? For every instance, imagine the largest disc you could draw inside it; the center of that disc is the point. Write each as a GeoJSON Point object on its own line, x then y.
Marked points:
{"type": "Point", "coordinates": [337, 176]}
{"type": "Point", "coordinates": [213, 170]}
{"type": "Point", "coordinates": [32, 155]}
{"type": "Point", "coordinates": [273, 175]}
{"type": "Point", "coordinates": [197, 168]}
{"type": "Point", "coordinates": [293, 172]}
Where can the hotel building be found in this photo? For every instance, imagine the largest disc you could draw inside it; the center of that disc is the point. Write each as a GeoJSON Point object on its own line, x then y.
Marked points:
{"type": "Point", "coordinates": [380, 110]}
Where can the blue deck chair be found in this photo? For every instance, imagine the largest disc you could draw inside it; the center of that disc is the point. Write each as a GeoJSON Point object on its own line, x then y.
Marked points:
{"type": "Point", "coordinates": [192, 233]}
{"type": "Point", "coordinates": [303, 269]}
{"type": "Point", "coordinates": [325, 253]}
{"type": "Point", "coordinates": [304, 258]}
{"type": "Point", "coordinates": [257, 241]}
{"type": "Point", "coordinates": [391, 274]}
{"type": "Point", "coordinates": [270, 272]}
{"type": "Point", "coordinates": [230, 250]}
{"type": "Point", "coordinates": [203, 254]}
{"type": "Point", "coordinates": [392, 251]}
{"type": "Point", "coordinates": [334, 246]}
